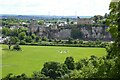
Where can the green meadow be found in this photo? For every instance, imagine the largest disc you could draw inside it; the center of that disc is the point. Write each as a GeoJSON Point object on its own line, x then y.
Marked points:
{"type": "Point", "coordinates": [32, 58]}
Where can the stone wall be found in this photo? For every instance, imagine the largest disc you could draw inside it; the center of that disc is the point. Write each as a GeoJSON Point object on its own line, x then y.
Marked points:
{"type": "Point", "coordinates": [60, 34]}
{"type": "Point", "coordinates": [93, 33]}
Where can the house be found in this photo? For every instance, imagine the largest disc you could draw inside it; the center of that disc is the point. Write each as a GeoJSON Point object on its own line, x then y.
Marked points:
{"type": "Point", "coordinates": [84, 21]}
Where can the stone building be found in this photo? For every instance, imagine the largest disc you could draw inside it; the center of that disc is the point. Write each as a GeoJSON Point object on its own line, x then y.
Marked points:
{"type": "Point", "coordinates": [84, 21]}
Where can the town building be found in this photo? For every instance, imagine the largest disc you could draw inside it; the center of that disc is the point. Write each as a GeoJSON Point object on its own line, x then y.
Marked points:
{"type": "Point", "coordinates": [84, 21]}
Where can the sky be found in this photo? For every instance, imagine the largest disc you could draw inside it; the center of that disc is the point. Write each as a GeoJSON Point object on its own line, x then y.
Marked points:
{"type": "Point", "coordinates": [55, 7]}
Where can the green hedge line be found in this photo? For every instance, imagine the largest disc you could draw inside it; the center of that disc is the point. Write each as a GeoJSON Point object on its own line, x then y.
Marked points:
{"type": "Point", "coordinates": [103, 45]}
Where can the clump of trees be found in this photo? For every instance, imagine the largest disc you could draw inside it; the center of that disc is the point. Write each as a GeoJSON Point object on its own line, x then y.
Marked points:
{"type": "Point", "coordinates": [54, 69]}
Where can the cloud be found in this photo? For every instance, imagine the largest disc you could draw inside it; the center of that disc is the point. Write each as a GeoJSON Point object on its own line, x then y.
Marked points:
{"type": "Point", "coordinates": [55, 7]}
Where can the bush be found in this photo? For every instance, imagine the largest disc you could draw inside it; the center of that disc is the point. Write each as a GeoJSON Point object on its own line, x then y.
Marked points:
{"type": "Point", "coordinates": [38, 75]}
{"type": "Point", "coordinates": [28, 39]}
{"type": "Point", "coordinates": [44, 38]}
{"type": "Point", "coordinates": [16, 47]}
{"type": "Point", "coordinates": [70, 63]}
{"type": "Point", "coordinates": [50, 40]}
{"type": "Point", "coordinates": [54, 70]}
{"type": "Point", "coordinates": [37, 39]}
{"type": "Point", "coordinates": [22, 42]}
{"type": "Point", "coordinates": [81, 41]}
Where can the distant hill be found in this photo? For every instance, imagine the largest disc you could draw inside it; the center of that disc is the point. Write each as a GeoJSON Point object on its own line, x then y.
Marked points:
{"type": "Point", "coordinates": [38, 16]}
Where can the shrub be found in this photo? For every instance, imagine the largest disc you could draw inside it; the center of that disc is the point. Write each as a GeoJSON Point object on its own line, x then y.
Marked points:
{"type": "Point", "coordinates": [28, 39]}
{"type": "Point", "coordinates": [37, 39]}
{"type": "Point", "coordinates": [16, 47]}
{"type": "Point", "coordinates": [44, 38]}
{"type": "Point", "coordinates": [50, 40]}
{"type": "Point", "coordinates": [81, 41]}
{"type": "Point", "coordinates": [79, 65]}
{"type": "Point", "coordinates": [22, 42]}
{"type": "Point", "coordinates": [70, 63]}
{"type": "Point", "coordinates": [54, 70]}
{"type": "Point", "coordinates": [38, 75]}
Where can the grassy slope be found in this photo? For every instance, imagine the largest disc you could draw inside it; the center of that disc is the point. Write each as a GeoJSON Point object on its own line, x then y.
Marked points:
{"type": "Point", "coordinates": [32, 58]}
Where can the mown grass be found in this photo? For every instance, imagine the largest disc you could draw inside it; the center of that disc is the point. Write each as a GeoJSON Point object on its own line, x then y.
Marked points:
{"type": "Point", "coordinates": [32, 58]}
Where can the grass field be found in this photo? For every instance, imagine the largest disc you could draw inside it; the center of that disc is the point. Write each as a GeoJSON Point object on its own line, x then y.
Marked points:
{"type": "Point", "coordinates": [32, 58]}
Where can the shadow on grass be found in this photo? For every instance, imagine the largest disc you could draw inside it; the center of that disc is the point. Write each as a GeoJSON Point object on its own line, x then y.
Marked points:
{"type": "Point", "coordinates": [6, 49]}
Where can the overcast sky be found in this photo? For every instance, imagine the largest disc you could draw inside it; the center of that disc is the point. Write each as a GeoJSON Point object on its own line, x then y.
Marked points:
{"type": "Point", "coordinates": [55, 7]}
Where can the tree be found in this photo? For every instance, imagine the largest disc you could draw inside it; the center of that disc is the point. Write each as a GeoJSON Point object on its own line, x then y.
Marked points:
{"type": "Point", "coordinates": [9, 44]}
{"type": "Point", "coordinates": [41, 22]}
{"type": "Point", "coordinates": [76, 33]}
{"type": "Point", "coordinates": [22, 35]}
{"type": "Point", "coordinates": [16, 47]}
{"type": "Point", "coordinates": [37, 38]}
{"type": "Point", "coordinates": [53, 69]}
{"type": "Point", "coordinates": [22, 30]}
{"type": "Point", "coordinates": [96, 18]}
{"type": "Point", "coordinates": [11, 40]}
{"type": "Point", "coordinates": [44, 38]}
{"type": "Point", "coordinates": [22, 42]}
{"type": "Point", "coordinates": [33, 36]}
{"type": "Point", "coordinates": [10, 76]}
{"type": "Point", "coordinates": [106, 15]}
{"type": "Point", "coordinates": [6, 31]}
{"type": "Point", "coordinates": [113, 21]}
{"type": "Point", "coordinates": [14, 40]}
{"type": "Point", "coordinates": [67, 20]}
{"type": "Point", "coordinates": [70, 63]}
{"type": "Point", "coordinates": [28, 39]}
{"type": "Point", "coordinates": [38, 75]}
{"type": "Point", "coordinates": [14, 32]}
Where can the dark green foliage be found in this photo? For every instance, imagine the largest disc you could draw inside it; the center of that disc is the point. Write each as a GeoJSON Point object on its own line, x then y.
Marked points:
{"type": "Point", "coordinates": [113, 21]}
{"type": "Point", "coordinates": [84, 61]}
{"type": "Point", "coordinates": [22, 35]}
{"type": "Point", "coordinates": [22, 42]}
{"type": "Point", "coordinates": [50, 40]}
{"type": "Point", "coordinates": [14, 32]}
{"type": "Point", "coordinates": [16, 47]}
{"type": "Point", "coordinates": [97, 18]}
{"type": "Point", "coordinates": [37, 39]}
{"type": "Point", "coordinates": [10, 76]}
{"type": "Point", "coordinates": [41, 22]}
{"type": "Point", "coordinates": [67, 20]}
{"type": "Point", "coordinates": [81, 41]}
{"type": "Point", "coordinates": [38, 75]}
{"type": "Point", "coordinates": [6, 31]}
{"type": "Point", "coordinates": [7, 77]}
{"type": "Point", "coordinates": [98, 41]}
{"type": "Point", "coordinates": [54, 70]}
{"type": "Point", "coordinates": [70, 63]}
{"type": "Point", "coordinates": [33, 36]}
{"type": "Point", "coordinates": [14, 40]}
{"type": "Point", "coordinates": [79, 65]}
{"type": "Point", "coordinates": [76, 33]}
{"type": "Point", "coordinates": [69, 41]}
{"type": "Point", "coordinates": [28, 39]}
{"type": "Point", "coordinates": [44, 38]}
